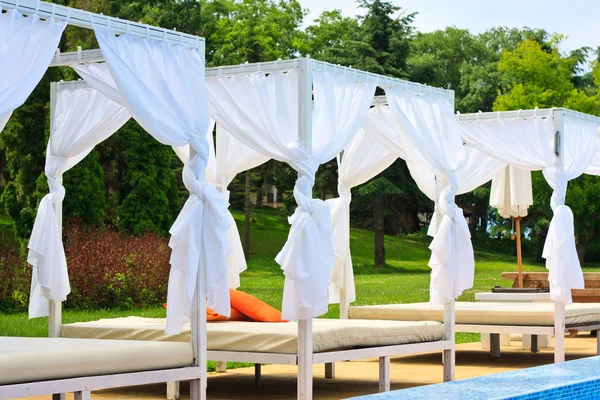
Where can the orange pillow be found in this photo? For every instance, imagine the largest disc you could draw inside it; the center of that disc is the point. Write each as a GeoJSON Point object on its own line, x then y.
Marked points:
{"type": "Point", "coordinates": [254, 308]}
{"type": "Point", "coordinates": [212, 315]}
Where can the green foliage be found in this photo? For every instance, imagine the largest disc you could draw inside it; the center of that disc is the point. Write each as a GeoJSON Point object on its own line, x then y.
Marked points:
{"type": "Point", "coordinates": [149, 193]}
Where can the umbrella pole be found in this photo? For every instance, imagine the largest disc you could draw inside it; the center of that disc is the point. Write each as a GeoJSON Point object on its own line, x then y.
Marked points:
{"type": "Point", "coordinates": [519, 257]}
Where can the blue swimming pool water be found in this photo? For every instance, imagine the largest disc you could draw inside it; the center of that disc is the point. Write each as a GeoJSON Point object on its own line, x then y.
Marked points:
{"type": "Point", "coordinates": [571, 380]}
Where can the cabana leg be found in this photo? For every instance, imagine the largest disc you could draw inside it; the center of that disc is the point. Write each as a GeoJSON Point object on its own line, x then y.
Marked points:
{"type": "Point", "coordinates": [83, 395]}
{"type": "Point", "coordinates": [559, 332]}
{"type": "Point", "coordinates": [221, 366]}
{"type": "Point", "coordinates": [257, 375]}
{"type": "Point", "coordinates": [329, 370]}
{"type": "Point", "coordinates": [173, 390]}
{"type": "Point", "coordinates": [597, 342]}
{"type": "Point", "coordinates": [495, 345]}
{"type": "Point", "coordinates": [305, 348]}
{"type": "Point", "coordinates": [449, 355]}
{"type": "Point", "coordinates": [535, 344]}
{"type": "Point", "coordinates": [384, 374]}
{"type": "Point", "coordinates": [59, 396]}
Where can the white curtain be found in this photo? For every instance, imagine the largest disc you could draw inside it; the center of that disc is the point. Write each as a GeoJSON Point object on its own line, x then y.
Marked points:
{"type": "Point", "coordinates": [361, 160]}
{"type": "Point", "coordinates": [529, 144]}
{"type": "Point", "coordinates": [560, 252]}
{"type": "Point", "coordinates": [511, 192]}
{"type": "Point", "coordinates": [27, 45]}
{"type": "Point", "coordinates": [262, 112]}
{"type": "Point", "coordinates": [233, 157]}
{"type": "Point", "coordinates": [82, 119]}
{"type": "Point", "coordinates": [164, 88]}
{"type": "Point", "coordinates": [419, 130]}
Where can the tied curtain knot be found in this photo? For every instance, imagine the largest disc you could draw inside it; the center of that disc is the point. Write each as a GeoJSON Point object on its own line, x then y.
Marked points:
{"type": "Point", "coordinates": [447, 186]}
{"type": "Point", "coordinates": [560, 187]}
{"type": "Point", "coordinates": [308, 256]}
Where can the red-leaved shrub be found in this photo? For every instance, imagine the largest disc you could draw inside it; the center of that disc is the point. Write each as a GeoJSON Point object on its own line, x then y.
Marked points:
{"type": "Point", "coordinates": [15, 276]}
{"type": "Point", "coordinates": [110, 269]}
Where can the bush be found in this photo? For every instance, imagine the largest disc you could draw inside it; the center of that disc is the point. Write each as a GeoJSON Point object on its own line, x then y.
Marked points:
{"type": "Point", "coordinates": [15, 276]}
{"type": "Point", "coordinates": [110, 269]}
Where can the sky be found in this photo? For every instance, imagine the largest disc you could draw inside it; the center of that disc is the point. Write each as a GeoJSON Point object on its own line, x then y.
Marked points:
{"type": "Point", "coordinates": [578, 19]}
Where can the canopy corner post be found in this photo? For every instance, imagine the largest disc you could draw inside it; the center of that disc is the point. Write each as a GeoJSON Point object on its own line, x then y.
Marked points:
{"type": "Point", "coordinates": [198, 322]}
{"type": "Point", "coordinates": [305, 346]}
{"type": "Point", "coordinates": [449, 355]}
{"type": "Point", "coordinates": [558, 115]}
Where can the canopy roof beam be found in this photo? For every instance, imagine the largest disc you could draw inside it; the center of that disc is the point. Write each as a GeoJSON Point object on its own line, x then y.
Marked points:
{"type": "Point", "coordinates": [91, 56]}
{"type": "Point", "coordinates": [87, 19]}
{"type": "Point", "coordinates": [543, 112]}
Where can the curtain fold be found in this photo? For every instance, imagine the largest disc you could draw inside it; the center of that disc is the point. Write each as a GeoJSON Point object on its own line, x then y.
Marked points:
{"type": "Point", "coordinates": [27, 45]}
{"type": "Point", "coordinates": [422, 130]}
{"type": "Point", "coordinates": [82, 119]}
{"type": "Point", "coordinates": [262, 113]}
{"type": "Point", "coordinates": [560, 251]}
{"type": "Point", "coordinates": [164, 89]}
{"type": "Point", "coordinates": [362, 159]}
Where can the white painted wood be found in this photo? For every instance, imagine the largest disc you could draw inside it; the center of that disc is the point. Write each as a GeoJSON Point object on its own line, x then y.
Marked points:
{"type": "Point", "coordinates": [384, 374]}
{"type": "Point", "coordinates": [221, 366]}
{"type": "Point", "coordinates": [449, 354]}
{"type": "Point", "coordinates": [540, 330]}
{"type": "Point", "coordinates": [252, 357]}
{"type": "Point", "coordinates": [85, 19]}
{"type": "Point", "coordinates": [198, 322]}
{"type": "Point", "coordinates": [173, 390]}
{"type": "Point", "coordinates": [597, 342]}
{"type": "Point", "coordinates": [559, 329]}
{"type": "Point", "coordinates": [344, 304]}
{"type": "Point", "coordinates": [305, 359]}
{"type": "Point", "coordinates": [83, 395]}
{"type": "Point", "coordinates": [376, 352]}
{"type": "Point", "coordinates": [329, 370]}
{"type": "Point", "coordinates": [98, 382]}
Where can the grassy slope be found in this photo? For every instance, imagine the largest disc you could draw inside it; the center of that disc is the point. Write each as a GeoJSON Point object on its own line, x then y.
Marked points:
{"type": "Point", "coordinates": [404, 280]}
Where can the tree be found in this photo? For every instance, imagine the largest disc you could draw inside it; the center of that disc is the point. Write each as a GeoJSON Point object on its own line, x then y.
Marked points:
{"type": "Point", "coordinates": [380, 193]}
{"type": "Point", "coordinates": [538, 75]}
{"type": "Point", "coordinates": [384, 39]}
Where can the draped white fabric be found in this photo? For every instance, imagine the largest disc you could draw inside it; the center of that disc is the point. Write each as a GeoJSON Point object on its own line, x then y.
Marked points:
{"type": "Point", "coordinates": [511, 192]}
{"type": "Point", "coordinates": [560, 252]}
{"type": "Point", "coordinates": [27, 45]}
{"type": "Point", "coordinates": [407, 128]}
{"type": "Point", "coordinates": [529, 144]}
{"type": "Point", "coordinates": [362, 160]}
{"type": "Point", "coordinates": [164, 88]}
{"type": "Point", "coordinates": [594, 167]}
{"type": "Point", "coordinates": [232, 158]}
{"type": "Point", "coordinates": [82, 119]}
{"type": "Point", "coordinates": [262, 112]}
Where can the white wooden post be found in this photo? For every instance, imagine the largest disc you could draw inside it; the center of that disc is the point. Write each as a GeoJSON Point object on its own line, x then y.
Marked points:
{"type": "Point", "coordinates": [83, 395]}
{"type": "Point", "coordinates": [198, 323]}
{"type": "Point", "coordinates": [449, 356]}
{"type": "Point", "coordinates": [55, 307]}
{"type": "Point", "coordinates": [173, 390]}
{"type": "Point", "coordinates": [305, 347]}
{"type": "Point", "coordinates": [559, 308]}
{"type": "Point", "coordinates": [384, 374]}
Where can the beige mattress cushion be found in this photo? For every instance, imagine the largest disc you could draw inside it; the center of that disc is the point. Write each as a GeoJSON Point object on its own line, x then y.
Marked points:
{"type": "Point", "coordinates": [483, 313]}
{"type": "Point", "coordinates": [266, 337]}
{"type": "Point", "coordinates": [38, 359]}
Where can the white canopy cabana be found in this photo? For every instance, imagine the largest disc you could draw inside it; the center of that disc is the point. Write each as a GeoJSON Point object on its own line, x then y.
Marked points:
{"type": "Point", "coordinates": [83, 118]}
{"type": "Point", "coordinates": [563, 144]}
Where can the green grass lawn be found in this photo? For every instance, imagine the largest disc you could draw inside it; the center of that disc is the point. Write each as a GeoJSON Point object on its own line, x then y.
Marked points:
{"type": "Point", "coordinates": [405, 279]}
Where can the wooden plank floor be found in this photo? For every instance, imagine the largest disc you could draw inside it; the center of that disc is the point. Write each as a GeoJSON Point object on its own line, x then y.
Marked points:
{"type": "Point", "coordinates": [358, 377]}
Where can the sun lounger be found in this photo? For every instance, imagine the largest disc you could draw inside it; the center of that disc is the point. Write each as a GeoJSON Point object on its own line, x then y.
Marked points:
{"type": "Point", "coordinates": [277, 343]}
{"type": "Point", "coordinates": [38, 366]}
{"type": "Point", "coordinates": [495, 318]}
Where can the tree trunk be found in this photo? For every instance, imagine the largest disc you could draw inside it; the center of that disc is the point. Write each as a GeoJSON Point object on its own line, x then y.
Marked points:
{"type": "Point", "coordinates": [580, 244]}
{"type": "Point", "coordinates": [378, 229]}
{"type": "Point", "coordinates": [247, 205]}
